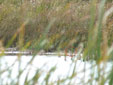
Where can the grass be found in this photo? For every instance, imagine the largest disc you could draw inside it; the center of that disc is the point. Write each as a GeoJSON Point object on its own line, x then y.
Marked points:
{"type": "Point", "coordinates": [57, 25]}
{"type": "Point", "coordinates": [71, 24]}
{"type": "Point", "coordinates": [39, 15]}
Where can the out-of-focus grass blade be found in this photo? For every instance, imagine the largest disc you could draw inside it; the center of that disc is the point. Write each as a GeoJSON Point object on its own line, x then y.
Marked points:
{"type": "Point", "coordinates": [11, 40]}
{"type": "Point", "coordinates": [26, 46]}
{"type": "Point", "coordinates": [34, 80]}
{"type": "Point", "coordinates": [36, 77]}
{"type": "Point", "coordinates": [42, 41]}
{"type": "Point", "coordinates": [88, 50]}
{"type": "Point", "coordinates": [21, 29]}
{"type": "Point", "coordinates": [39, 44]}
{"type": "Point", "coordinates": [99, 27]}
{"type": "Point", "coordinates": [49, 74]}
{"type": "Point", "coordinates": [61, 81]}
{"type": "Point", "coordinates": [95, 33]}
{"type": "Point", "coordinates": [111, 77]}
{"type": "Point", "coordinates": [26, 78]}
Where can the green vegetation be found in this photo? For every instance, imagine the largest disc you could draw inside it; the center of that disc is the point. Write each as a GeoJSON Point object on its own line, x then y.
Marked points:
{"type": "Point", "coordinates": [71, 22]}
{"type": "Point", "coordinates": [55, 25]}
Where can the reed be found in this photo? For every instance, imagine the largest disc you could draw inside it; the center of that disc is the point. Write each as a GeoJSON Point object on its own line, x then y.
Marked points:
{"type": "Point", "coordinates": [55, 25]}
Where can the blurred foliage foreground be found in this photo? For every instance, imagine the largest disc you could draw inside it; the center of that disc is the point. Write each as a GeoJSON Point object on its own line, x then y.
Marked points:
{"type": "Point", "coordinates": [55, 25]}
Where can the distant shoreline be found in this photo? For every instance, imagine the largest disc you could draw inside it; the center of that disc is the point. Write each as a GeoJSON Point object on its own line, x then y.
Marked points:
{"type": "Point", "coordinates": [14, 51]}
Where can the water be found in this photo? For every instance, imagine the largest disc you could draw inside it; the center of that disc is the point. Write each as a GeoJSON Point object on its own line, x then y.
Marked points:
{"type": "Point", "coordinates": [64, 68]}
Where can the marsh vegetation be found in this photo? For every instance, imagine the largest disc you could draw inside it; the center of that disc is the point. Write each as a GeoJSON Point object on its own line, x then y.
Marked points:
{"type": "Point", "coordinates": [84, 26]}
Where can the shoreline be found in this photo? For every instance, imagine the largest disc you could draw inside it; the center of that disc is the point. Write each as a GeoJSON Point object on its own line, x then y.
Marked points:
{"type": "Point", "coordinates": [14, 51]}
